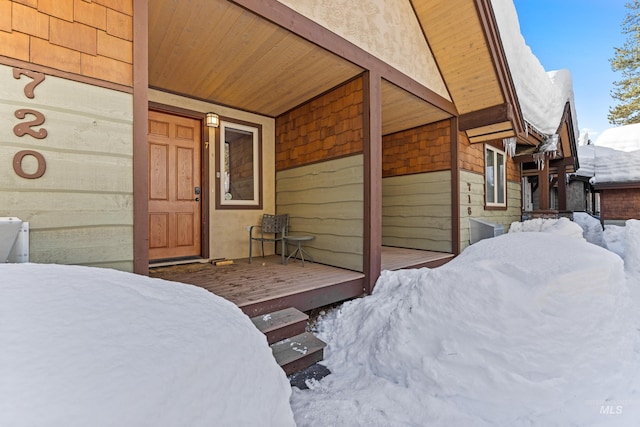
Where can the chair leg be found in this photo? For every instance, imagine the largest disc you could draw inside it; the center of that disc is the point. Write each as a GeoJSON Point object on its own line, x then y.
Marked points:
{"type": "Point", "coordinates": [250, 249]}
{"type": "Point", "coordinates": [262, 248]}
{"type": "Point", "coordinates": [283, 251]}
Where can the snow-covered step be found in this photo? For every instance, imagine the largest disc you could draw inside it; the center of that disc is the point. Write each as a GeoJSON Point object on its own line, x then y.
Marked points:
{"type": "Point", "coordinates": [298, 352]}
{"type": "Point", "coordinates": [281, 324]}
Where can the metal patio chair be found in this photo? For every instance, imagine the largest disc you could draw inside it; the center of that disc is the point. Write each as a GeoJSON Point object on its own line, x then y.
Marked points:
{"type": "Point", "coordinates": [272, 229]}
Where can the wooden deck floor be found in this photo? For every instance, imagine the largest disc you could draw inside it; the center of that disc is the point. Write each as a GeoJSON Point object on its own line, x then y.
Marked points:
{"type": "Point", "coordinates": [266, 285]}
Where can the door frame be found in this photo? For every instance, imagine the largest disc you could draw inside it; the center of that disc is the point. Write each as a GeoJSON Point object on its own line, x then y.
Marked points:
{"type": "Point", "coordinates": [204, 167]}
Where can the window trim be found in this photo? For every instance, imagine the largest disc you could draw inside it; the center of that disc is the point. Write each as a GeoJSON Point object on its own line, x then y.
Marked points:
{"type": "Point", "coordinates": [256, 128]}
{"type": "Point", "coordinates": [495, 151]}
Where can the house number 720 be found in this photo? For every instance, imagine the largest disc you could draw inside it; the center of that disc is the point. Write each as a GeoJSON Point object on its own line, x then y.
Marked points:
{"type": "Point", "coordinates": [26, 128]}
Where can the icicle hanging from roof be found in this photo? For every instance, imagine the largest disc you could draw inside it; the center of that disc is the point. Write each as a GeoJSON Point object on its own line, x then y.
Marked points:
{"type": "Point", "coordinates": [510, 146]}
{"type": "Point", "coordinates": [549, 148]}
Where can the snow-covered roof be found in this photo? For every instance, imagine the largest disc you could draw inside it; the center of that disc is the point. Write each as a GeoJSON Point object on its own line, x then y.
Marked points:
{"type": "Point", "coordinates": [623, 138]}
{"type": "Point", "coordinates": [542, 95]}
{"type": "Point", "coordinates": [604, 165]}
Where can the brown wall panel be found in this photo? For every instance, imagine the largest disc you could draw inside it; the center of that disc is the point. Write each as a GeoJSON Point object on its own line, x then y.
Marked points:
{"type": "Point", "coordinates": [92, 39]}
{"type": "Point", "coordinates": [327, 127]}
{"type": "Point", "coordinates": [423, 149]}
{"type": "Point", "coordinates": [620, 204]}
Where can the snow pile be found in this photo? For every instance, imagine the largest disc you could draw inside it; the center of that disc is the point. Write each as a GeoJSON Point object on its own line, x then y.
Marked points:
{"type": "Point", "coordinates": [83, 346]}
{"type": "Point", "coordinates": [625, 241]}
{"type": "Point", "coordinates": [542, 96]}
{"type": "Point", "coordinates": [632, 250]}
{"type": "Point", "coordinates": [592, 228]}
{"type": "Point", "coordinates": [519, 330]}
{"type": "Point", "coordinates": [613, 236]}
{"type": "Point", "coordinates": [562, 226]}
{"type": "Point", "coordinates": [622, 138]}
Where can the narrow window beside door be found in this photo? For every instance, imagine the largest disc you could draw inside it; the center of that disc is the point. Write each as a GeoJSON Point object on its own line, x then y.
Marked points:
{"type": "Point", "coordinates": [495, 177]}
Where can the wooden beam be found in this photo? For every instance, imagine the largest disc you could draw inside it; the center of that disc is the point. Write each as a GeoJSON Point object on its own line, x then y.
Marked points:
{"type": "Point", "coordinates": [562, 187]}
{"type": "Point", "coordinates": [543, 186]}
{"type": "Point", "coordinates": [485, 117]}
{"type": "Point", "coordinates": [455, 188]}
{"type": "Point", "coordinates": [372, 233]}
{"type": "Point", "coordinates": [140, 150]}
{"type": "Point", "coordinates": [494, 42]}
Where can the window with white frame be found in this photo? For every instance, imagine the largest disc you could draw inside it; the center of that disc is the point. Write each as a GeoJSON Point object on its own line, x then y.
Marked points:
{"type": "Point", "coordinates": [495, 177]}
{"type": "Point", "coordinates": [239, 166]}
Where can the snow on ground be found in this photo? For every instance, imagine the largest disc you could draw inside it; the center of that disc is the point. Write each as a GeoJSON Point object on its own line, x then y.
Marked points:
{"type": "Point", "coordinates": [84, 346]}
{"type": "Point", "coordinates": [525, 329]}
{"type": "Point", "coordinates": [592, 228]}
{"type": "Point", "coordinates": [533, 328]}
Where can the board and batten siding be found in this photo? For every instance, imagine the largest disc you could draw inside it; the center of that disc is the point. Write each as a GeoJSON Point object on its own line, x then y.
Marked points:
{"type": "Point", "coordinates": [416, 211]}
{"type": "Point", "coordinates": [472, 204]}
{"type": "Point", "coordinates": [326, 200]}
{"type": "Point", "coordinates": [81, 210]}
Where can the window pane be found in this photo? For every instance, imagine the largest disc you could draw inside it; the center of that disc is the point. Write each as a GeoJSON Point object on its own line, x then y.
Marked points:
{"type": "Point", "coordinates": [238, 164]}
{"type": "Point", "coordinates": [500, 178]}
{"type": "Point", "coordinates": [489, 176]}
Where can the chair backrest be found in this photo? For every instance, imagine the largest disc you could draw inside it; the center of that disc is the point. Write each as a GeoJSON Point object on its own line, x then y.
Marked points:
{"type": "Point", "coordinates": [275, 223]}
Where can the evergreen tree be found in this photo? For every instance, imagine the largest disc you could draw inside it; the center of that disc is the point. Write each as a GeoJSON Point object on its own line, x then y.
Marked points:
{"type": "Point", "coordinates": [627, 61]}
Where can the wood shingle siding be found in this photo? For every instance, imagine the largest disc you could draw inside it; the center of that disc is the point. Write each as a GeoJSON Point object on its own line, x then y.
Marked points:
{"type": "Point", "coordinates": [326, 127]}
{"type": "Point", "coordinates": [326, 200]}
{"type": "Point", "coordinates": [92, 39]}
{"type": "Point", "coordinates": [423, 149]}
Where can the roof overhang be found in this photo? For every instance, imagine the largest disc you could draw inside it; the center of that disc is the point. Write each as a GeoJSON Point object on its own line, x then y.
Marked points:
{"type": "Point", "coordinates": [465, 41]}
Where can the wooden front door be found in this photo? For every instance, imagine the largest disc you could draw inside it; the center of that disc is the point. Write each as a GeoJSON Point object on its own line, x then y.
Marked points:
{"type": "Point", "coordinates": [174, 186]}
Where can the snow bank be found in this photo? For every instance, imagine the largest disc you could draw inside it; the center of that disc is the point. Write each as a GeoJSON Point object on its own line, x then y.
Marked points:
{"type": "Point", "coordinates": [83, 346]}
{"type": "Point", "coordinates": [562, 226]}
{"type": "Point", "coordinates": [592, 228]}
{"type": "Point", "coordinates": [613, 236]}
{"type": "Point", "coordinates": [632, 252]}
{"type": "Point", "coordinates": [625, 241]}
{"type": "Point", "coordinates": [522, 329]}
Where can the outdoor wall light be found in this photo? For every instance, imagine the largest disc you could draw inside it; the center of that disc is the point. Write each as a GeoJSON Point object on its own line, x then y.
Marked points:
{"type": "Point", "coordinates": [213, 121]}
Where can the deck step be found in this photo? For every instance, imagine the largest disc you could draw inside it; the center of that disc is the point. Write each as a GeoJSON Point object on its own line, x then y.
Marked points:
{"type": "Point", "coordinates": [281, 324]}
{"type": "Point", "coordinates": [298, 352]}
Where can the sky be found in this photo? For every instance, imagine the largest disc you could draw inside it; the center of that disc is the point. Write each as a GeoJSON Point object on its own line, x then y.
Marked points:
{"type": "Point", "coordinates": [579, 35]}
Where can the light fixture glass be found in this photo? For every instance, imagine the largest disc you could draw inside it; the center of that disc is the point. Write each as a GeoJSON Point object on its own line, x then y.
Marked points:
{"type": "Point", "coordinates": [213, 120]}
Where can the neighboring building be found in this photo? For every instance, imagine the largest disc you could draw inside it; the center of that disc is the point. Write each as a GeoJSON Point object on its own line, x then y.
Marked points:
{"type": "Point", "coordinates": [385, 123]}
{"type": "Point", "coordinates": [612, 167]}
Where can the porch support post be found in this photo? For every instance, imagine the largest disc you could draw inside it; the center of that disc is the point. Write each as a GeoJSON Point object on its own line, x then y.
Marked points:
{"type": "Point", "coordinates": [140, 152]}
{"type": "Point", "coordinates": [455, 188]}
{"type": "Point", "coordinates": [543, 186]}
{"type": "Point", "coordinates": [562, 187]}
{"type": "Point", "coordinates": [372, 125]}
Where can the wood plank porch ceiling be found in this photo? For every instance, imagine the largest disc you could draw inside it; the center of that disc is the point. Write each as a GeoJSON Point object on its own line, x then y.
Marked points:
{"type": "Point", "coordinates": [219, 52]}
